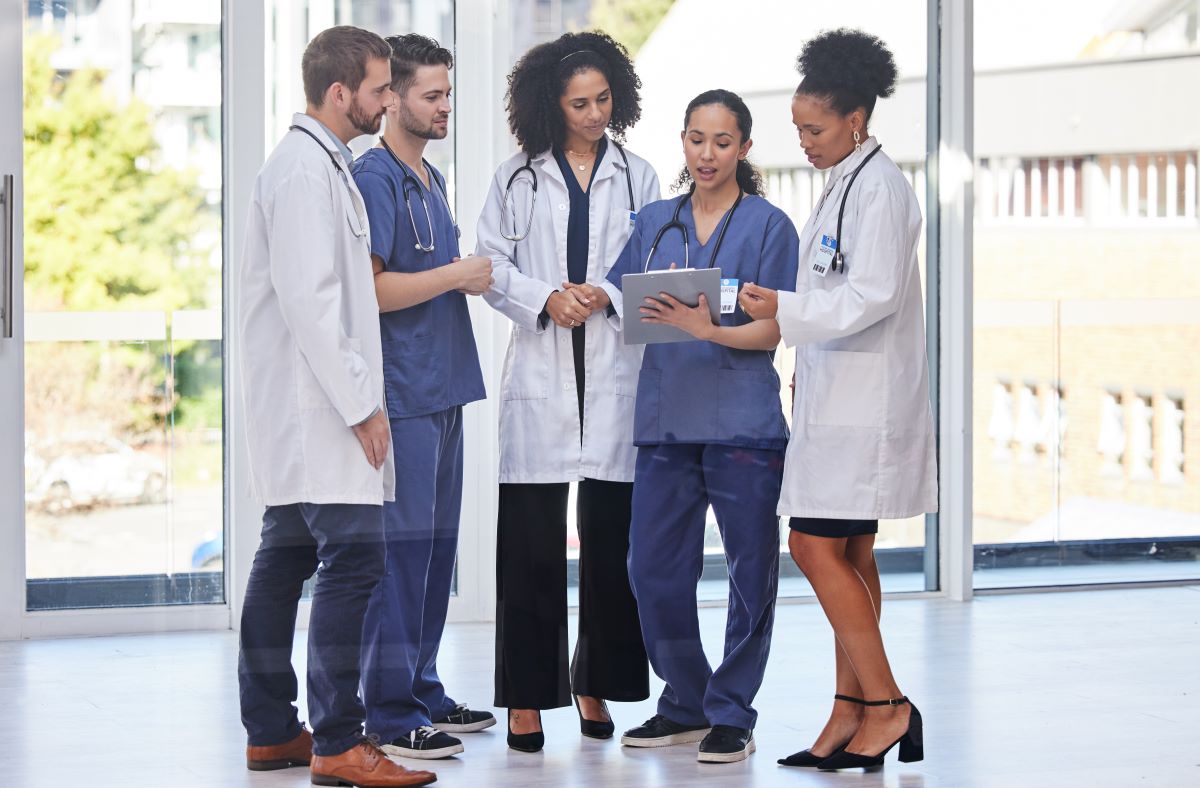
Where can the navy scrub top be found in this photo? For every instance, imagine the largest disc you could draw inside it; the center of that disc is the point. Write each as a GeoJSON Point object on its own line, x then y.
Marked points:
{"type": "Point", "coordinates": [702, 392]}
{"type": "Point", "coordinates": [430, 362]}
{"type": "Point", "coordinates": [578, 237]}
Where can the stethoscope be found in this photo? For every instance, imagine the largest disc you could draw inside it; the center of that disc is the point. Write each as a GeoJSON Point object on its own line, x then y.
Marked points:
{"type": "Point", "coordinates": [409, 183]}
{"type": "Point", "coordinates": [675, 224]}
{"type": "Point", "coordinates": [361, 230]}
{"type": "Point", "coordinates": [506, 203]}
{"type": "Point", "coordinates": [838, 265]}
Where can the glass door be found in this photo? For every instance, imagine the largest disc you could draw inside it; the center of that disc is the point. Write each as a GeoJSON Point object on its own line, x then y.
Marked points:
{"type": "Point", "coordinates": [121, 263]}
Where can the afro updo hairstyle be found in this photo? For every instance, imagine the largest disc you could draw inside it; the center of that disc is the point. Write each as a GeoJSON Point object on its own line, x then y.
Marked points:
{"type": "Point", "coordinates": [539, 78]}
{"type": "Point", "coordinates": [848, 69]}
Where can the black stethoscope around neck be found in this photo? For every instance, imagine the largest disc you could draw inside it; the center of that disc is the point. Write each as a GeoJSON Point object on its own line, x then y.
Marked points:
{"type": "Point", "coordinates": [527, 168]}
{"type": "Point", "coordinates": [838, 264]}
{"type": "Point", "coordinates": [409, 183]}
{"type": "Point", "coordinates": [675, 224]}
{"type": "Point", "coordinates": [360, 231]}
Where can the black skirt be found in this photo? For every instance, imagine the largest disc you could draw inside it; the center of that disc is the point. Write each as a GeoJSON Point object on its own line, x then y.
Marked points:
{"type": "Point", "coordinates": [833, 529]}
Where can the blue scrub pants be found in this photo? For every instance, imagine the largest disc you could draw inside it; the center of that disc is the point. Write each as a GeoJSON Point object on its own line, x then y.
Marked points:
{"type": "Point", "coordinates": [407, 614]}
{"type": "Point", "coordinates": [346, 540]}
{"type": "Point", "coordinates": [673, 487]}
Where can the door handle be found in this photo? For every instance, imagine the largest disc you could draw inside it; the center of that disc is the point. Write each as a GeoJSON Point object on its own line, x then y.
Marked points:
{"type": "Point", "coordinates": [7, 197]}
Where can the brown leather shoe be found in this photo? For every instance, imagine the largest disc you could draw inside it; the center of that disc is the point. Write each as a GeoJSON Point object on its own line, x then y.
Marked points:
{"type": "Point", "coordinates": [297, 752]}
{"type": "Point", "coordinates": [365, 765]}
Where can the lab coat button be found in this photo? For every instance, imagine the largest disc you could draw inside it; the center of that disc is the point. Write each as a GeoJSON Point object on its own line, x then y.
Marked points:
{"type": "Point", "coordinates": [562, 206]}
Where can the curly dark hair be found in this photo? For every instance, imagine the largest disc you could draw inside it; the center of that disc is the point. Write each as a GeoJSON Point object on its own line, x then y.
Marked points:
{"type": "Point", "coordinates": [539, 78]}
{"type": "Point", "coordinates": [748, 176]}
{"type": "Point", "coordinates": [848, 69]}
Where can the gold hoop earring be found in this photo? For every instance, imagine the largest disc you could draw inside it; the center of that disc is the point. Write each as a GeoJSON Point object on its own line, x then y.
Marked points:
{"type": "Point", "coordinates": [857, 141]}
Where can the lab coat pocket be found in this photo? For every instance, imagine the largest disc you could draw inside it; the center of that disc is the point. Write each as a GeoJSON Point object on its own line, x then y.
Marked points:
{"type": "Point", "coordinates": [647, 424]}
{"type": "Point", "coordinates": [625, 374]}
{"type": "Point", "coordinates": [527, 365]}
{"type": "Point", "coordinates": [847, 390]}
{"type": "Point", "coordinates": [309, 393]}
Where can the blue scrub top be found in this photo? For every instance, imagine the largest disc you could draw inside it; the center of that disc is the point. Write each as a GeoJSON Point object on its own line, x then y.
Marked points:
{"type": "Point", "coordinates": [430, 362]}
{"type": "Point", "coordinates": [702, 392]}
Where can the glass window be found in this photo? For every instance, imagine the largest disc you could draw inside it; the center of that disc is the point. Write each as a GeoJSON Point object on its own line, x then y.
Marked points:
{"type": "Point", "coordinates": [1087, 304]}
{"type": "Point", "coordinates": [124, 468]}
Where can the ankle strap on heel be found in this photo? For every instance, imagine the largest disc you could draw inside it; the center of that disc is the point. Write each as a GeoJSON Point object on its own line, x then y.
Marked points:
{"type": "Point", "coordinates": [849, 699]}
{"type": "Point", "coordinates": [889, 702]}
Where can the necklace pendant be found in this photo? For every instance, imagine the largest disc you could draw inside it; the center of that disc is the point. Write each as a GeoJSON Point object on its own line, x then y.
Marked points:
{"type": "Point", "coordinates": [582, 167]}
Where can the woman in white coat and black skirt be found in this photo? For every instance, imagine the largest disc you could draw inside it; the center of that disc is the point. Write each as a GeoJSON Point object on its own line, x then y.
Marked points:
{"type": "Point", "coordinates": [862, 445]}
{"type": "Point", "coordinates": [556, 219]}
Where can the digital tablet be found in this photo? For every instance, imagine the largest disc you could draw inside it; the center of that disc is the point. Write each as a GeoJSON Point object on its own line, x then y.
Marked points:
{"type": "Point", "coordinates": [685, 284]}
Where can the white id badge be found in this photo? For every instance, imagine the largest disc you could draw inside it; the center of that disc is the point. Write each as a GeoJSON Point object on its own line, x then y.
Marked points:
{"type": "Point", "coordinates": [632, 219]}
{"type": "Point", "coordinates": [729, 292]}
{"type": "Point", "coordinates": [823, 257]}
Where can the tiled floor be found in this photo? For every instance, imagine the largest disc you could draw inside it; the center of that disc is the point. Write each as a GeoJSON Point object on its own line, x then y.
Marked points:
{"type": "Point", "coordinates": [1097, 688]}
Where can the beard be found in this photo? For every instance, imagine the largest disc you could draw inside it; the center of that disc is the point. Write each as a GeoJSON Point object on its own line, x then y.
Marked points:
{"type": "Point", "coordinates": [426, 131]}
{"type": "Point", "coordinates": [363, 122]}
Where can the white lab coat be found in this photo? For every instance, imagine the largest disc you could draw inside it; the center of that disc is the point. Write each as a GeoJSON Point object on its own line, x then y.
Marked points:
{"type": "Point", "coordinates": [539, 412]}
{"type": "Point", "coordinates": [311, 357]}
{"type": "Point", "coordinates": [862, 443]}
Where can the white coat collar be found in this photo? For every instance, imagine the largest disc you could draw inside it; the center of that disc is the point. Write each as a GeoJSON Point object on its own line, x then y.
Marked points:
{"type": "Point", "coordinates": [847, 165]}
{"type": "Point", "coordinates": [324, 135]}
{"type": "Point", "coordinates": [609, 165]}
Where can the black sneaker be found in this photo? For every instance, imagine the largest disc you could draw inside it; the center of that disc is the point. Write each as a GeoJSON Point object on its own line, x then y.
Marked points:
{"type": "Point", "coordinates": [463, 720]}
{"type": "Point", "coordinates": [658, 731]}
{"type": "Point", "coordinates": [726, 744]}
{"type": "Point", "coordinates": [426, 743]}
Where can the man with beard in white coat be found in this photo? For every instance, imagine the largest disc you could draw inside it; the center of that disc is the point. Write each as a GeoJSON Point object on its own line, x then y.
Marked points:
{"type": "Point", "coordinates": [316, 423]}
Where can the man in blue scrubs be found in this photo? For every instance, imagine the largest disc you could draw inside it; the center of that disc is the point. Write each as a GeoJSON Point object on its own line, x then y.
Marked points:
{"type": "Point", "coordinates": [431, 369]}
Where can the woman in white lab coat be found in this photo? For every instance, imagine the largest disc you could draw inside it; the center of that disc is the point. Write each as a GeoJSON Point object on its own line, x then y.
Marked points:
{"type": "Point", "coordinates": [556, 219]}
{"type": "Point", "coordinates": [862, 445]}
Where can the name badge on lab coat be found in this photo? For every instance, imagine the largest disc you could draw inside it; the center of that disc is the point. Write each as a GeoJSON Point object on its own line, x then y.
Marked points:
{"type": "Point", "coordinates": [632, 219]}
{"type": "Point", "coordinates": [729, 291]}
{"type": "Point", "coordinates": [823, 258]}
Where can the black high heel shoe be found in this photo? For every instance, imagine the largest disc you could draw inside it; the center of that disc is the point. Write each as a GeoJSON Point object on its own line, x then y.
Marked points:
{"type": "Point", "coordinates": [591, 728]}
{"type": "Point", "coordinates": [805, 758]}
{"type": "Point", "coordinates": [912, 745]}
{"type": "Point", "coordinates": [526, 742]}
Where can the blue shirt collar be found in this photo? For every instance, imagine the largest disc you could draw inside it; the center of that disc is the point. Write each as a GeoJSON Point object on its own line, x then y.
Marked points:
{"type": "Point", "coordinates": [342, 147]}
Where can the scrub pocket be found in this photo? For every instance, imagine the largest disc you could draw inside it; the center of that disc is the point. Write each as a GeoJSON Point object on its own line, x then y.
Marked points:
{"type": "Point", "coordinates": [647, 423]}
{"type": "Point", "coordinates": [748, 403]}
{"type": "Point", "coordinates": [411, 381]}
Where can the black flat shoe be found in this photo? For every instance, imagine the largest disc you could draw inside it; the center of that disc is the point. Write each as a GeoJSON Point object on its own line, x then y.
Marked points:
{"type": "Point", "coordinates": [912, 747]}
{"type": "Point", "coordinates": [591, 728]}
{"type": "Point", "coordinates": [805, 758]}
{"type": "Point", "coordinates": [526, 742]}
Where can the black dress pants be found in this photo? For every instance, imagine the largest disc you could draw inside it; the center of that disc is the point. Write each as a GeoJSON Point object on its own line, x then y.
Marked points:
{"type": "Point", "coordinates": [531, 598]}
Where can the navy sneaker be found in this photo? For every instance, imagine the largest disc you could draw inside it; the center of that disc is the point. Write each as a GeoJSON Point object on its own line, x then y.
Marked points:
{"type": "Point", "coordinates": [464, 720]}
{"type": "Point", "coordinates": [726, 744]}
{"type": "Point", "coordinates": [658, 731]}
{"type": "Point", "coordinates": [425, 743]}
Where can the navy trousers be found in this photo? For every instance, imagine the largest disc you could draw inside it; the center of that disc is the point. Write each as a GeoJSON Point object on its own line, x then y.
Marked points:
{"type": "Point", "coordinates": [673, 488]}
{"type": "Point", "coordinates": [346, 541]}
{"type": "Point", "coordinates": [407, 613]}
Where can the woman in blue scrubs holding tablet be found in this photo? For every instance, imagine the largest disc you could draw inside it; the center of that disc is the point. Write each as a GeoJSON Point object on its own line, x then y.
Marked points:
{"type": "Point", "coordinates": [709, 429]}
